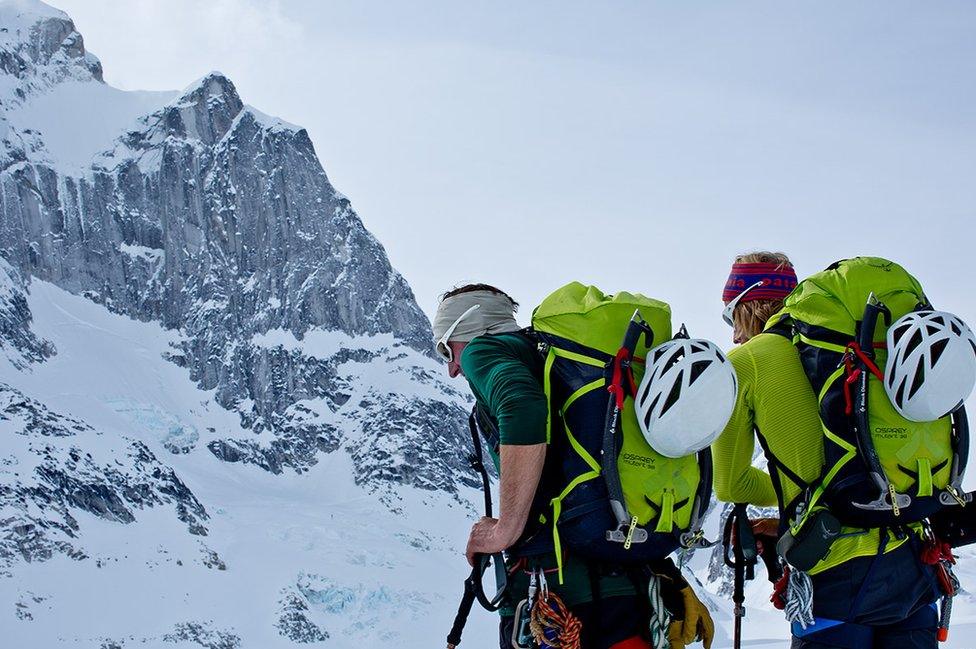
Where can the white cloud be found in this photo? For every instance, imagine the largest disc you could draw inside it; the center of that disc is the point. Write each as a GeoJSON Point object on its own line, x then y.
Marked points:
{"type": "Point", "coordinates": [166, 45]}
{"type": "Point", "coordinates": [633, 146]}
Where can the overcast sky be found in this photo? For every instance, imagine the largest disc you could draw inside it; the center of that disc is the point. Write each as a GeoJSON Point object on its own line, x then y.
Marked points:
{"type": "Point", "coordinates": [633, 145]}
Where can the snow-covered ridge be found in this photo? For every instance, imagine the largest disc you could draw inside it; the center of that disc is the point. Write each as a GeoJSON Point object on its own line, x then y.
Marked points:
{"type": "Point", "coordinates": [22, 23]}
{"type": "Point", "coordinates": [182, 120]}
{"type": "Point", "coordinates": [39, 46]}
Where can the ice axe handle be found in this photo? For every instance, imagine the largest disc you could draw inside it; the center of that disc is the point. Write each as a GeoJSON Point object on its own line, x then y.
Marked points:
{"type": "Point", "coordinates": [464, 610]}
{"type": "Point", "coordinates": [635, 328]}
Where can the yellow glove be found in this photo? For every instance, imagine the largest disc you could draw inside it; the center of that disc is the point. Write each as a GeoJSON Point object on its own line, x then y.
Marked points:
{"type": "Point", "coordinates": [697, 623]}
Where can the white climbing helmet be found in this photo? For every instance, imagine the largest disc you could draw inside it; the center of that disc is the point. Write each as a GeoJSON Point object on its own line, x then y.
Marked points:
{"type": "Point", "coordinates": [686, 396]}
{"type": "Point", "coordinates": [931, 366]}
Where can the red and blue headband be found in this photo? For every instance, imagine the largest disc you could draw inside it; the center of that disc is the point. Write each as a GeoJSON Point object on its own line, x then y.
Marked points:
{"type": "Point", "coordinates": [777, 282]}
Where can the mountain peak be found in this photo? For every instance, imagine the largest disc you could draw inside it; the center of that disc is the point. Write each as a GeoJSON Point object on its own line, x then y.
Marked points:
{"type": "Point", "coordinates": [205, 110]}
{"type": "Point", "coordinates": [213, 84]}
{"type": "Point", "coordinates": [39, 40]}
{"type": "Point", "coordinates": [18, 14]}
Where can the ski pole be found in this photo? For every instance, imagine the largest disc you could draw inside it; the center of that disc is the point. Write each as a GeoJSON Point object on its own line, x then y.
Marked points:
{"type": "Point", "coordinates": [738, 538]}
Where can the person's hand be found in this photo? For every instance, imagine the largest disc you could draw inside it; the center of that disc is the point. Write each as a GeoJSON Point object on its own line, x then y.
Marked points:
{"type": "Point", "coordinates": [483, 539]}
{"type": "Point", "coordinates": [761, 527]}
{"type": "Point", "coordinates": [697, 623]}
{"type": "Point", "coordinates": [764, 529]}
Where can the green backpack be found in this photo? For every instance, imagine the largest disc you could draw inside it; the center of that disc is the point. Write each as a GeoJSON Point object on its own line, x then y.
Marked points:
{"type": "Point", "coordinates": [880, 469]}
{"type": "Point", "coordinates": [620, 500]}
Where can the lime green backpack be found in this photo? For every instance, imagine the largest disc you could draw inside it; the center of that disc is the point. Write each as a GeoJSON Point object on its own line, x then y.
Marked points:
{"type": "Point", "coordinates": [620, 500]}
{"type": "Point", "coordinates": [880, 468]}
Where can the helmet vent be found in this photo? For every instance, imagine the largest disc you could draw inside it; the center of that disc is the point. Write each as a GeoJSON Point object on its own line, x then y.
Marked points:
{"type": "Point", "coordinates": [955, 328]}
{"type": "Point", "coordinates": [674, 360]}
{"type": "Point", "coordinates": [647, 416]}
{"type": "Point", "coordinates": [913, 342]}
{"type": "Point", "coordinates": [673, 396]}
{"type": "Point", "coordinates": [973, 345]}
{"type": "Point", "coordinates": [900, 331]}
{"type": "Point", "coordinates": [657, 397]}
{"type": "Point", "coordinates": [900, 396]}
{"type": "Point", "coordinates": [696, 370]}
{"type": "Point", "coordinates": [931, 329]}
{"type": "Point", "coordinates": [919, 378]}
{"type": "Point", "coordinates": [937, 349]}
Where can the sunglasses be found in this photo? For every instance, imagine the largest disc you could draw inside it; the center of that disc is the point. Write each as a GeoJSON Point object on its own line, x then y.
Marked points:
{"type": "Point", "coordinates": [730, 307]}
{"type": "Point", "coordinates": [443, 349]}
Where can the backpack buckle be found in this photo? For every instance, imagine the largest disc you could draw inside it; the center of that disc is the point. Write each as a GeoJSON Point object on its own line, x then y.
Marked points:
{"type": "Point", "coordinates": [887, 499]}
{"type": "Point", "coordinates": [695, 540]}
{"type": "Point", "coordinates": [627, 533]}
{"type": "Point", "coordinates": [951, 496]}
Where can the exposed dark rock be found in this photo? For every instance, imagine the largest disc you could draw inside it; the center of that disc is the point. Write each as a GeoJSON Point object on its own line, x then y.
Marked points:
{"type": "Point", "coordinates": [204, 635]}
{"type": "Point", "coordinates": [294, 623]}
{"type": "Point", "coordinates": [66, 478]}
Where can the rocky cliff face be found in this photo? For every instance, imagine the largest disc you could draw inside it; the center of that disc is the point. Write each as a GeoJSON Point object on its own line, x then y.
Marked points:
{"type": "Point", "coordinates": [17, 340]}
{"type": "Point", "coordinates": [219, 221]}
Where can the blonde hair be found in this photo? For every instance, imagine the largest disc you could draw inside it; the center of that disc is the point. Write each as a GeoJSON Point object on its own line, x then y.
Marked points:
{"type": "Point", "coordinates": [750, 317]}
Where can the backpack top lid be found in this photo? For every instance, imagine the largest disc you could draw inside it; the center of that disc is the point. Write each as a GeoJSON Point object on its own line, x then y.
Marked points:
{"type": "Point", "coordinates": [585, 315]}
{"type": "Point", "coordinates": [835, 298]}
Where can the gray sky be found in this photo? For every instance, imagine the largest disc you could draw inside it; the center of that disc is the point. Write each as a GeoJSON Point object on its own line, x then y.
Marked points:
{"type": "Point", "coordinates": [633, 145]}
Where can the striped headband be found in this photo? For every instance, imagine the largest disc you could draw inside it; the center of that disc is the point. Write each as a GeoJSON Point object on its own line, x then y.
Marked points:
{"type": "Point", "coordinates": [777, 282]}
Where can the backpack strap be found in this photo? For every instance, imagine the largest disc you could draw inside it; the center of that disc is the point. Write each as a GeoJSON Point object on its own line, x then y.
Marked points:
{"type": "Point", "coordinates": [487, 427]}
{"type": "Point", "coordinates": [476, 459]}
{"type": "Point", "coordinates": [776, 468]}
{"type": "Point", "coordinates": [783, 327]}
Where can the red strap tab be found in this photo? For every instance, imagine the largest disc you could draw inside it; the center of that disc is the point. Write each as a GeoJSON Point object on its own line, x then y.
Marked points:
{"type": "Point", "coordinates": [868, 363]}
{"type": "Point", "coordinates": [616, 387]}
{"type": "Point", "coordinates": [852, 377]}
{"type": "Point", "coordinates": [778, 598]}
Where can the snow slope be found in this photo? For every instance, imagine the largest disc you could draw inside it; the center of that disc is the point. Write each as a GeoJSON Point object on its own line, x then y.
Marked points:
{"type": "Point", "coordinates": [314, 544]}
{"type": "Point", "coordinates": [77, 120]}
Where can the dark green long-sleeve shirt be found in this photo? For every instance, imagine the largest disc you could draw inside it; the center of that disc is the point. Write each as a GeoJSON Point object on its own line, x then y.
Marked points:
{"type": "Point", "coordinates": [505, 375]}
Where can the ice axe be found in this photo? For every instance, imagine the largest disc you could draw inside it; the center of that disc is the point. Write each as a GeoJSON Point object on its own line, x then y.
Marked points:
{"type": "Point", "coordinates": [473, 585]}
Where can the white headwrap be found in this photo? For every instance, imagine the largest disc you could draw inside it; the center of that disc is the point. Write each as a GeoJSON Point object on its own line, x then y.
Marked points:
{"type": "Point", "coordinates": [494, 315]}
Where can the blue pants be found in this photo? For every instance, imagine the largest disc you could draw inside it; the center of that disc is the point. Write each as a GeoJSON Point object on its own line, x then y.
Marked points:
{"type": "Point", "coordinates": [882, 602]}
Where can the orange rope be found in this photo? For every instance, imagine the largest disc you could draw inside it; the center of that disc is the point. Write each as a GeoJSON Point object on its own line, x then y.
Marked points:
{"type": "Point", "coordinates": [551, 614]}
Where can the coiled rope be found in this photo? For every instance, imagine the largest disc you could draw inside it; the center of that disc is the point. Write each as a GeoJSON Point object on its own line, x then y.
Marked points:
{"type": "Point", "coordinates": [552, 625]}
{"type": "Point", "coordinates": [799, 599]}
{"type": "Point", "coordinates": [660, 616]}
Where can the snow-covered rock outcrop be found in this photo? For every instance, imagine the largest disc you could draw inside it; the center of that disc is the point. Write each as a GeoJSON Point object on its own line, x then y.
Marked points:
{"type": "Point", "coordinates": [17, 340]}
